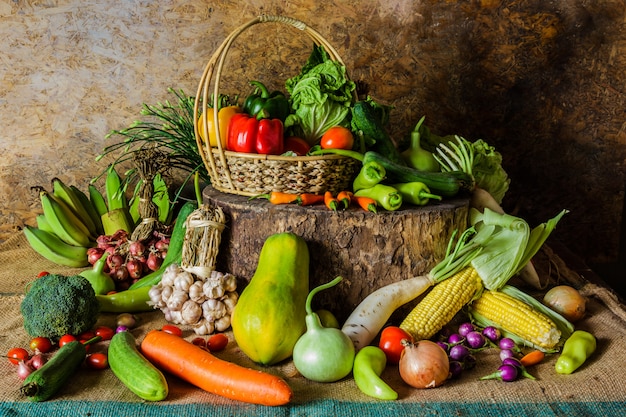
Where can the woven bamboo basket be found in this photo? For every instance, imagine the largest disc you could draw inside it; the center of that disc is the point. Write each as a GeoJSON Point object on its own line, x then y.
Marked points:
{"type": "Point", "coordinates": [251, 174]}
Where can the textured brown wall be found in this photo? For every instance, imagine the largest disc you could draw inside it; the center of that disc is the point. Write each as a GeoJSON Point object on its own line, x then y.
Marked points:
{"type": "Point", "coordinates": [542, 81]}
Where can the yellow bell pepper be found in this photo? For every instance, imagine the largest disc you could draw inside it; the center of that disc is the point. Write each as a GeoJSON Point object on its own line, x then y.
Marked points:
{"type": "Point", "coordinates": [223, 116]}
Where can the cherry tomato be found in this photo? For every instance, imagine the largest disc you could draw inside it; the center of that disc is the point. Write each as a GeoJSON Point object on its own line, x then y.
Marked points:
{"type": "Point", "coordinates": [217, 342]}
{"type": "Point", "coordinates": [86, 335]}
{"type": "Point", "coordinates": [17, 355]}
{"type": "Point", "coordinates": [297, 145]}
{"type": "Point", "coordinates": [171, 329]}
{"type": "Point", "coordinates": [97, 360]}
{"type": "Point", "coordinates": [43, 274]}
{"type": "Point", "coordinates": [66, 339]}
{"type": "Point", "coordinates": [199, 341]}
{"type": "Point", "coordinates": [106, 333]}
{"type": "Point", "coordinates": [337, 137]}
{"type": "Point", "coordinates": [41, 344]}
{"type": "Point", "coordinates": [391, 343]}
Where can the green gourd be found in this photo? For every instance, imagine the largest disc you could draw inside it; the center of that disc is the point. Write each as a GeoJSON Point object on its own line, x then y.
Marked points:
{"type": "Point", "coordinates": [269, 316]}
{"type": "Point", "coordinates": [416, 156]}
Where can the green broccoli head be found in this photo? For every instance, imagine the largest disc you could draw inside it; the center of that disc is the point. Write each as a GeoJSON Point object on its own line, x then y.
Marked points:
{"type": "Point", "coordinates": [56, 305]}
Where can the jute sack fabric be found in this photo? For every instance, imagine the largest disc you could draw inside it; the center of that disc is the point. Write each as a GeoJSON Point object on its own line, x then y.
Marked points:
{"type": "Point", "coordinates": [594, 387]}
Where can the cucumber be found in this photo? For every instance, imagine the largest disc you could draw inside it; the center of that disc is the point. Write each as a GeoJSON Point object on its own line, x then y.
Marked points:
{"type": "Point", "coordinates": [366, 120]}
{"type": "Point", "coordinates": [174, 250]}
{"type": "Point", "coordinates": [445, 184]}
{"type": "Point", "coordinates": [134, 370]}
{"type": "Point", "coordinates": [46, 381]}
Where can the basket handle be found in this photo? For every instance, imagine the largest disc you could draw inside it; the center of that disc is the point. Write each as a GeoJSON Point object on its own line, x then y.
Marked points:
{"type": "Point", "coordinates": [216, 63]}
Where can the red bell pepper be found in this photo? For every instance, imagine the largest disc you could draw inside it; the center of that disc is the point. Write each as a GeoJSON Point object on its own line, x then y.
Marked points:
{"type": "Point", "coordinates": [249, 135]}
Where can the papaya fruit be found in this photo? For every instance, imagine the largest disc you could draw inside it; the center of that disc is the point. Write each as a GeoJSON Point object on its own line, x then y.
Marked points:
{"type": "Point", "coordinates": [269, 316]}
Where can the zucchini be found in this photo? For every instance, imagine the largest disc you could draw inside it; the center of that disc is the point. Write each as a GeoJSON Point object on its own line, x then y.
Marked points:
{"type": "Point", "coordinates": [134, 370]}
{"type": "Point", "coordinates": [174, 250]}
{"type": "Point", "coordinates": [445, 184]}
{"type": "Point", "coordinates": [46, 381]}
{"type": "Point", "coordinates": [366, 120]}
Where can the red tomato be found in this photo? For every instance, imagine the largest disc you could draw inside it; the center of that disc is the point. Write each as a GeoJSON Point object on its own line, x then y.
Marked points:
{"type": "Point", "coordinates": [391, 343]}
{"type": "Point", "coordinates": [86, 335]}
{"type": "Point", "coordinates": [297, 145]}
{"type": "Point", "coordinates": [106, 333]}
{"type": "Point", "coordinates": [41, 344]}
{"type": "Point", "coordinates": [217, 342]}
{"type": "Point", "coordinates": [199, 341]}
{"type": "Point", "coordinates": [337, 137]}
{"type": "Point", "coordinates": [43, 274]}
{"type": "Point", "coordinates": [171, 329]}
{"type": "Point", "coordinates": [66, 339]}
{"type": "Point", "coordinates": [17, 355]}
{"type": "Point", "coordinates": [97, 360]}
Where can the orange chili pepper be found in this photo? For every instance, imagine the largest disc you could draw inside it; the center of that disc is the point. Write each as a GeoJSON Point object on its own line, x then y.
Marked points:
{"type": "Point", "coordinates": [366, 203]}
{"type": "Point", "coordinates": [330, 201]}
{"type": "Point", "coordinates": [345, 198]}
{"type": "Point", "coordinates": [532, 358]}
{"type": "Point", "coordinates": [308, 199]}
{"type": "Point", "coordinates": [278, 197]}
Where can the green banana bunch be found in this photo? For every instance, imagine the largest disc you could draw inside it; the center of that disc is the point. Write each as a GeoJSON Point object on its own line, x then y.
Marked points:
{"type": "Point", "coordinates": [51, 247]}
{"type": "Point", "coordinates": [64, 222]}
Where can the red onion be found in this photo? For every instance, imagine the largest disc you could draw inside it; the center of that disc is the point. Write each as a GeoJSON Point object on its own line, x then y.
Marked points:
{"type": "Point", "coordinates": [134, 268]}
{"type": "Point", "coordinates": [136, 248]}
{"type": "Point", "coordinates": [154, 261]}
{"type": "Point", "coordinates": [424, 364]}
{"type": "Point", "coordinates": [23, 370]}
{"type": "Point", "coordinates": [37, 361]}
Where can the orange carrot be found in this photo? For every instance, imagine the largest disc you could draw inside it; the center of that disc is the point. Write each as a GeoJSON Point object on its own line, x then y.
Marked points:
{"type": "Point", "coordinates": [366, 203]}
{"type": "Point", "coordinates": [532, 358]}
{"type": "Point", "coordinates": [330, 201]}
{"type": "Point", "coordinates": [199, 367]}
{"type": "Point", "coordinates": [308, 199]}
{"type": "Point", "coordinates": [345, 198]}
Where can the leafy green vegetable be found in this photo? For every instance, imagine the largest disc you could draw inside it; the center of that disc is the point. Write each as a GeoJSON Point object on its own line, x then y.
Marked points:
{"type": "Point", "coordinates": [321, 97]}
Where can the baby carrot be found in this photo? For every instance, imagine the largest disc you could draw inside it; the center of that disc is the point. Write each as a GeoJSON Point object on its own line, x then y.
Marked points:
{"type": "Point", "coordinates": [366, 203]}
{"type": "Point", "coordinates": [345, 197]}
{"type": "Point", "coordinates": [330, 201]}
{"type": "Point", "coordinates": [532, 358]}
{"type": "Point", "coordinates": [308, 199]}
{"type": "Point", "coordinates": [199, 367]}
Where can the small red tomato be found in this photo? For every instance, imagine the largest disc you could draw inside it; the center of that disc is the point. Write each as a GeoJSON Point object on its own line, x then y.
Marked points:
{"type": "Point", "coordinates": [199, 341]}
{"type": "Point", "coordinates": [17, 355]}
{"type": "Point", "coordinates": [106, 333]}
{"type": "Point", "coordinates": [66, 339]}
{"type": "Point", "coordinates": [97, 360]}
{"type": "Point", "coordinates": [41, 344]}
{"type": "Point", "coordinates": [337, 137]}
{"type": "Point", "coordinates": [43, 274]}
{"type": "Point", "coordinates": [86, 335]}
{"type": "Point", "coordinates": [297, 145]}
{"type": "Point", "coordinates": [217, 342]}
{"type": "Point", "coordinates": [171, 329]}
{"type": "Point", "coordinates": [391, 343]}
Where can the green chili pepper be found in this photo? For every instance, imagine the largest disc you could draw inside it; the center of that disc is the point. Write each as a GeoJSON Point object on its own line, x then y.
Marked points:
{"type": "Point", "coordinates": [128, 301]}
{"type": "Point", "coordinates": [369, 363]}
{"type": "Point", "coordinates": [576, 350]}
{"type": "Point", "coordinates": [371, 173]}
{"type": "Point", "coordinates": [265, 105]}
{"type": "Point", "coordinates": [416, 193]}
{"type": "Point", "coordinates": [385, 195]}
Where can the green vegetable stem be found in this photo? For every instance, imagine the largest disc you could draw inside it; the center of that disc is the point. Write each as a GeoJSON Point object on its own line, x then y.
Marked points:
{"type": "Point", "coordinates": [371, 173]}
{"type": "Point", "coordinates": [416, 193]}
{"type": "Point", "coordinates": [576, 350]}
{"type": "Point", "coordinates": [416, 156]}
{"type": "Point", "coordinates": [323, 354]}
{"type": "Point", "coordinates": [385, 195]}
{"type": "Point", "coordinates": [369, 363]}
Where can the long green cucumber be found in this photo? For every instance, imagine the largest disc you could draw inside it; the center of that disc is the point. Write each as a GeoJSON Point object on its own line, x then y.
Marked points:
{"type": "Point", "coordinates": [445, 184]}
{"type": "Point", "coordinates": [134, 370]}
{"type": "Point", "coordinates": [46, 381]}
{"type": "Point", "coordinates": [174, 250]}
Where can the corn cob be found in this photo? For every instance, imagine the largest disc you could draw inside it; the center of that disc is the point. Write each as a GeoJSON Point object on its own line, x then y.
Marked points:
{"type": "Point", "coordinates": [512, 315]}
{"type": "Point", "coordinates": [442, 303]}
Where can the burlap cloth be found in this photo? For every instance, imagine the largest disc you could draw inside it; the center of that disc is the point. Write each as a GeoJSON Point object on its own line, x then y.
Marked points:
{"type": "Point", "coordinates": [592, 390]}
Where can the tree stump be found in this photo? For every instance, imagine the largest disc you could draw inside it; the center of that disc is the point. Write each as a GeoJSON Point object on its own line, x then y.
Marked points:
{"type": "Point", "coordinates": [368, 250]}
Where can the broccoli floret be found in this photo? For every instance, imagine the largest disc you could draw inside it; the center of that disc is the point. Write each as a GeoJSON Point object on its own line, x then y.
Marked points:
{"type": "Point", "coordinates": [56, 305]}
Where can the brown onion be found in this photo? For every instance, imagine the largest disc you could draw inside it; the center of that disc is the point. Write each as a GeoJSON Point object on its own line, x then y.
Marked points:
{"type": "Point", "coordinates": [424, 364]}
{"type": "Point", "coordinates": [566, 301]}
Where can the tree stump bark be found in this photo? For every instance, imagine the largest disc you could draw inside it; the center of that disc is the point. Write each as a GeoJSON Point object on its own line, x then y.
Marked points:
{"type": "Point", "coordinates": [368, 250]}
